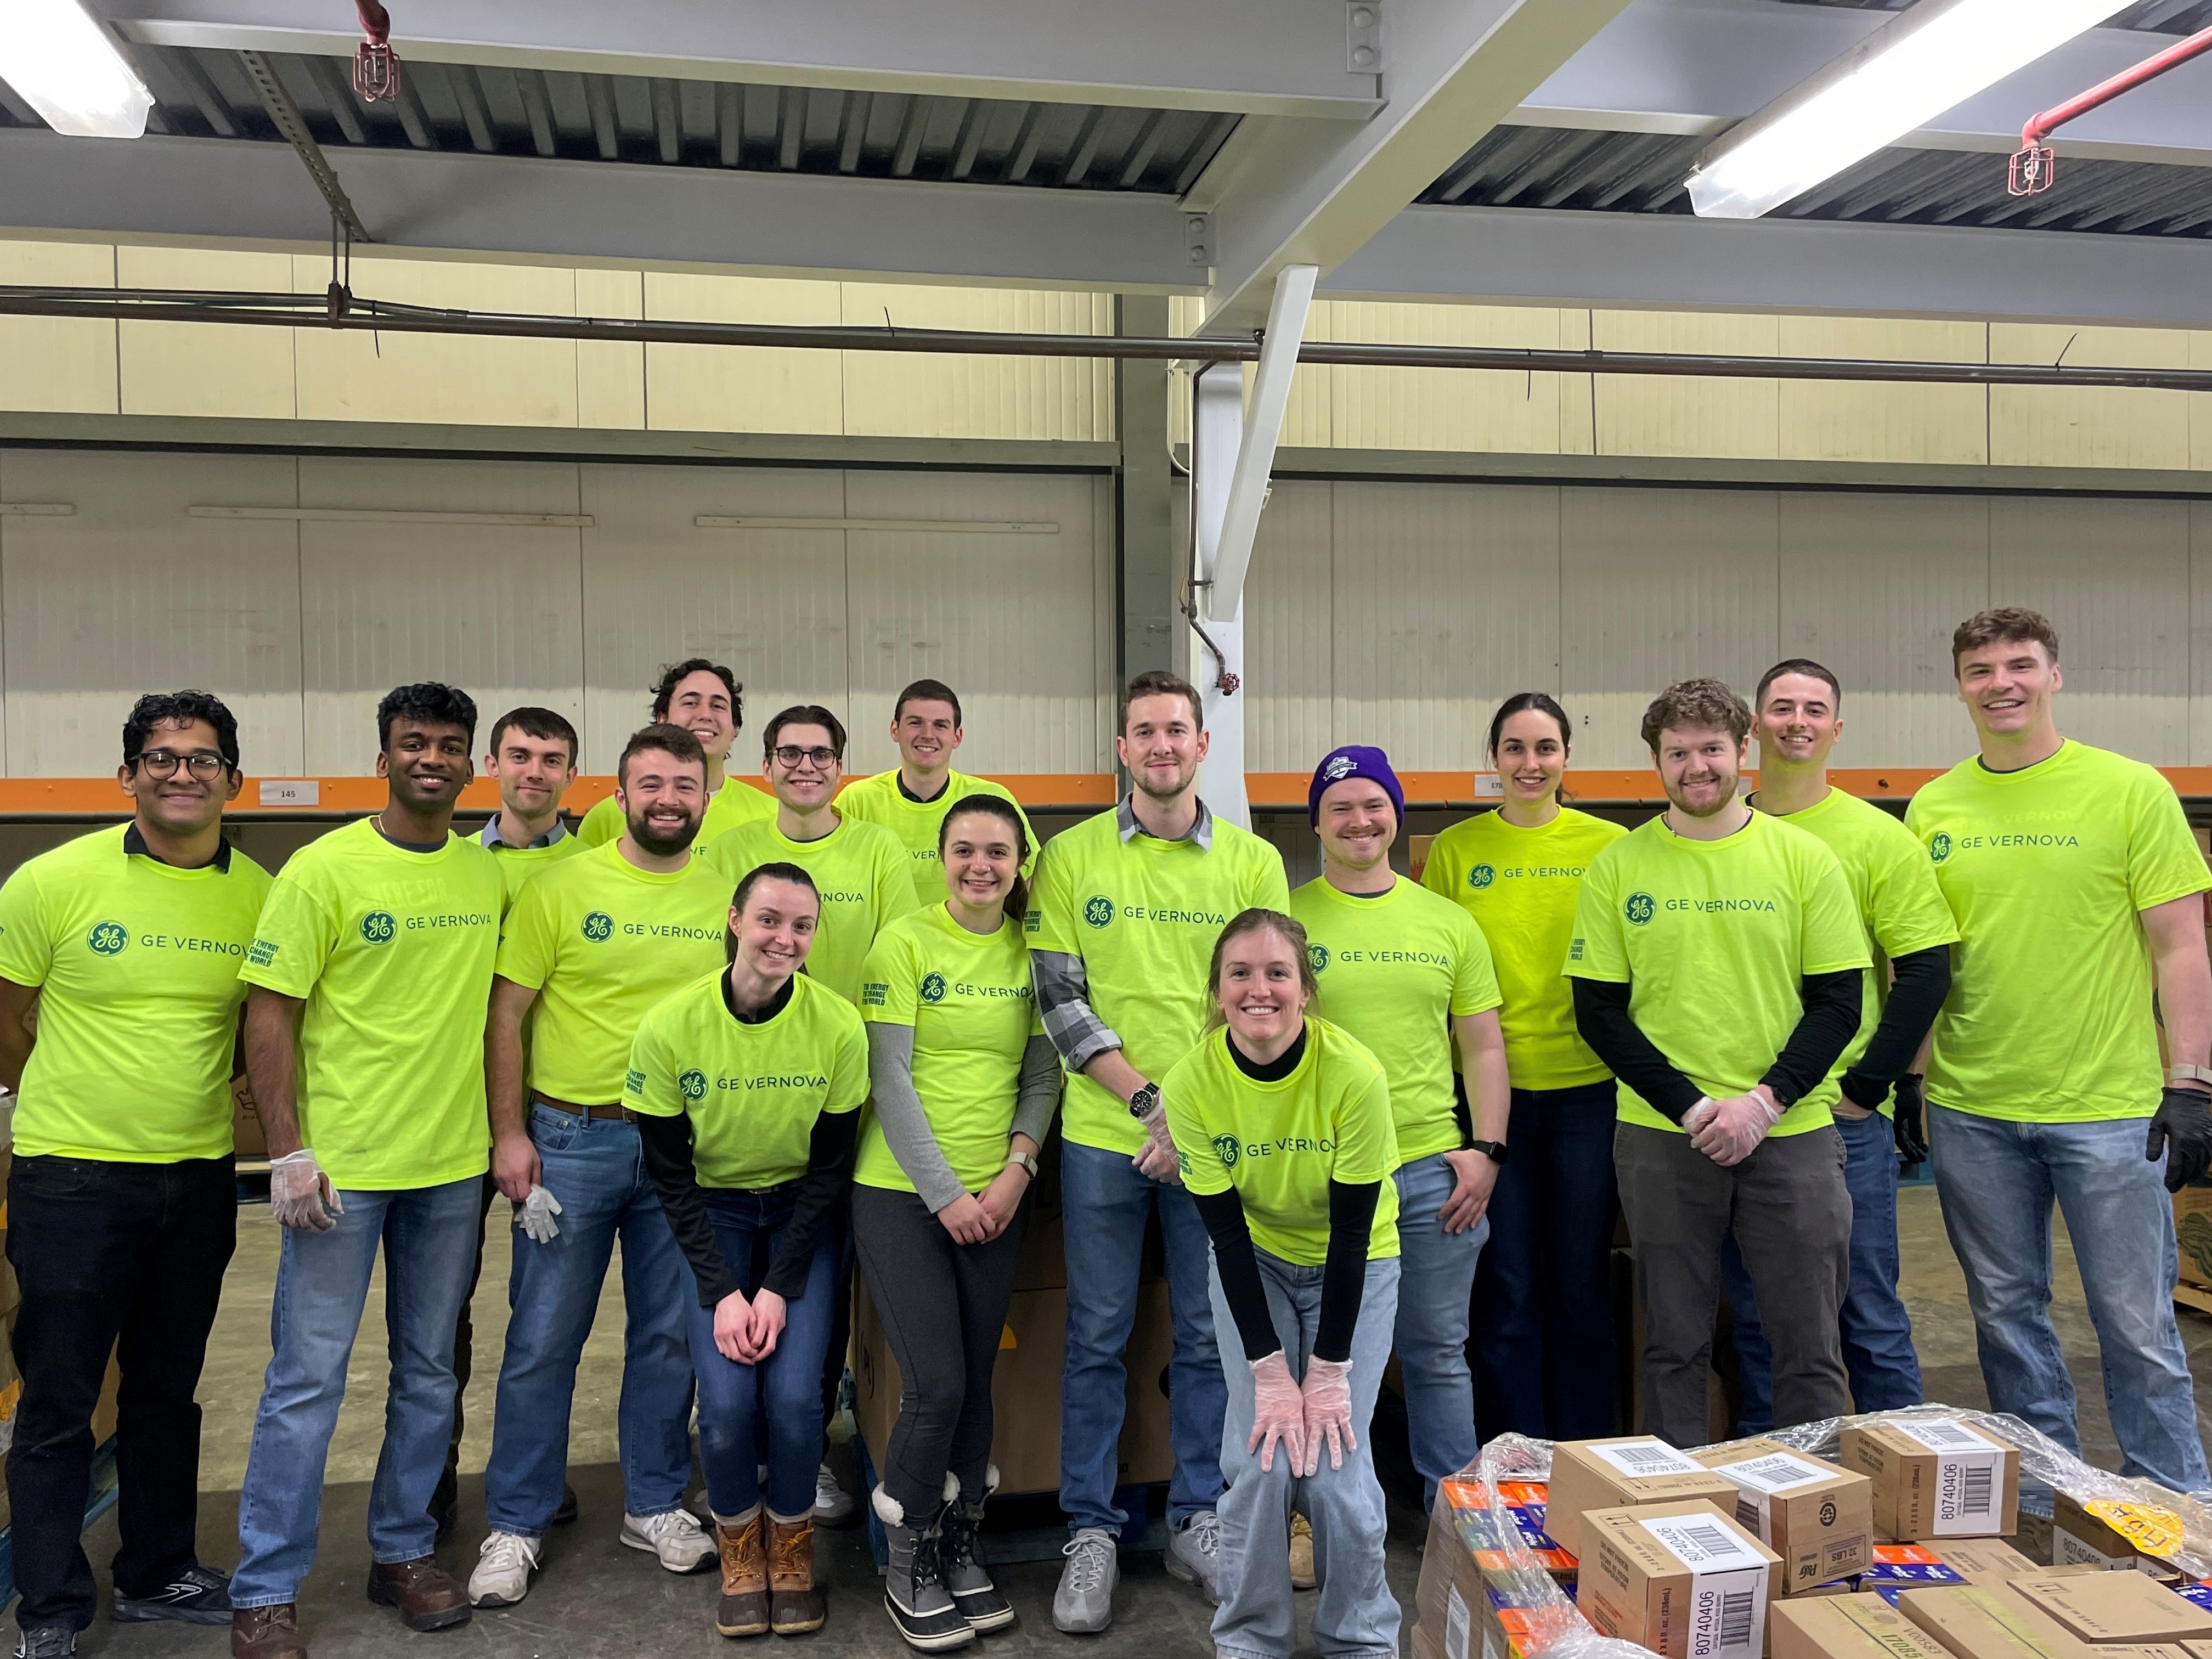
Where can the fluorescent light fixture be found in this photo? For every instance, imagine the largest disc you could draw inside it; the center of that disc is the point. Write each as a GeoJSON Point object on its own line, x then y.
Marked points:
{"type": "Point", "coordinates": [68, 69]}
{"type": "Point", "coordinates": [1896, 81]}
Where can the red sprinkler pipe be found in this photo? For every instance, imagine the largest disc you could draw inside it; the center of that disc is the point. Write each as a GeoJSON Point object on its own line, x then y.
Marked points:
{"type": "Point", "coordinates": [2034, 165]}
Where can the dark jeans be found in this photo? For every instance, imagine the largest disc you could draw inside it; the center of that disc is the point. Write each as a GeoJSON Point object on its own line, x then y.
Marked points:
{"type": "Point", "coordinates": [1792, 1217]}
{"type": "Point", "coordinates": [1542, 1333]}
{"type": "Point", "coordinates": [126, 1256]}
{"type": "Point", "coordinates": [917, 1276]}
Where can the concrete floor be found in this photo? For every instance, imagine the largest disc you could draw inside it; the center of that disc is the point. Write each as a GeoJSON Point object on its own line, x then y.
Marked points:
{"type": "Point", "coordinates": [596, 1598]}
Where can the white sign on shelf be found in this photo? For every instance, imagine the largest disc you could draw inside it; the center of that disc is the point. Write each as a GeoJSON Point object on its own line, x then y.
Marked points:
{"type": "Point", "coordinates": [291, 792]}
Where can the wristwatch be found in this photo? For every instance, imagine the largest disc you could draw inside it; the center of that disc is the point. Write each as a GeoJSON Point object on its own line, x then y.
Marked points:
{"type": "Point", "coordinates": [1145, 1102]}
{"type": "Point", "coordinates": [2188, 1074]}
{"type": "Point", "coordinates": [1027, 1160]}
{"type": "Point", "coordinates": [1492, 1150]}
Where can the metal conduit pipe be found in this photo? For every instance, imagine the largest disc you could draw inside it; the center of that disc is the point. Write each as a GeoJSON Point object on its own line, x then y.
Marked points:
{"type": "Point", "coordinates": [349, 313]}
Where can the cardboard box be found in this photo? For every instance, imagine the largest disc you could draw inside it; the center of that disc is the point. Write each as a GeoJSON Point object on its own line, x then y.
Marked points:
{"type": "Point", "coordinates": [2193, 1230]}
{"type": "Point", "coordinates": [1847, 1627]}
{"type": "Point", "coordinates": [1682, 1579]}
{"type": "Point", "coordinates": [1935, 1477]}
{"type": "Point", "coordinates": [1627, 1472]}
{"type": "Point", "coordinates": [1448, 1598]}
{"type": "Point", "coordinates": [1817, 1517]}
{"type": "Point", "coordinates": [2100, 1533]}
{"type": "Point", "coordinates": [2108, 1608]}
{"type": "Point", "coordinates": [1978, 1622]}
{"type": "Point", "coordinates": [1987, 1560]}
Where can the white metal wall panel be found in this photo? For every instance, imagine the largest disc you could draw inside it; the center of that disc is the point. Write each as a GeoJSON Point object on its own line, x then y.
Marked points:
{"type": "Point", "coordinates": [494, 609]}
{"type": "Point", "coordinates": [1871, 587]}
{"type": "Point", "coordinates": [1290, 631]}
{"type": "Point", "coordinates": [128, 594]}
{"type": "Point", "coordinates": [2113, 577]}
{"type": "Point", "coordinates": [1659, 586]}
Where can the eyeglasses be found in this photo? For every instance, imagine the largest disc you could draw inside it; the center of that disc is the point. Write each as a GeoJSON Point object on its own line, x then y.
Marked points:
{"type": "Point", "coordinates": [163, 764]}
{"type": "Point", "coordinates": [791, 754]}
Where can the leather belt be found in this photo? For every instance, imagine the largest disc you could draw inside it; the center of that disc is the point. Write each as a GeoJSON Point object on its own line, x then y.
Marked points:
{"type": "Point", "coordinates": [611, 1113]}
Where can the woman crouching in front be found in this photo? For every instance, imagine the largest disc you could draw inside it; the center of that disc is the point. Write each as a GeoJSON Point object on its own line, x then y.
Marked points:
{"type": "Point", "coordinates": [1282, 1127]}
{"type": "Point", "coordinates": [747, 1087]}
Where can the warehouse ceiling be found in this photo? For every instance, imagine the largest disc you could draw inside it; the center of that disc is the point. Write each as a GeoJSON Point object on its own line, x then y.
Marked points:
{"type": "Point", "coordinates": [1487, 149]}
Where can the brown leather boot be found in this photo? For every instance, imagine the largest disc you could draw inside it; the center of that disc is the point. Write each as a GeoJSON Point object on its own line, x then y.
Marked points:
{"type": "Point", "coordinates": [427, 1595]}
{"type": "Point", "coordinates": [744, 1608]}
{"type": "Point", "coordinates": [266, 1632]}
{"type": "Point", "coordinates": [796, 1606]}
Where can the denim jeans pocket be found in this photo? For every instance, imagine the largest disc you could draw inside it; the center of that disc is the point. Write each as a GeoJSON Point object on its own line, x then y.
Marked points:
{"type": "Point", "coordinates": [554, 1131]}
{"type": "Point", "coordinates": [49, 1176]}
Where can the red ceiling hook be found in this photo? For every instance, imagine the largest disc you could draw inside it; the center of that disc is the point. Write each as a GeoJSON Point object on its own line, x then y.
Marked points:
{"type": "Point", "coordinates": [2035, 164]}
{"type": "Point", "coordinates": [375, 66]}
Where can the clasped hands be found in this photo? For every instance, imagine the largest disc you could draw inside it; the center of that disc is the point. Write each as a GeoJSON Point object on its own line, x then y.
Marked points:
{"type": "Point", "coordinates": [1729, 1130]}
{"type": "Point", "coordinates": [978, 1217]}
{"type": "Point", "coordinates": [746, 1331]}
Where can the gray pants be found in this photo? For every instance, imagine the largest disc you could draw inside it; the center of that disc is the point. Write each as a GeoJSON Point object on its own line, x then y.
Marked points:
{"type": "Point", "coordinates": [1792, 1217]}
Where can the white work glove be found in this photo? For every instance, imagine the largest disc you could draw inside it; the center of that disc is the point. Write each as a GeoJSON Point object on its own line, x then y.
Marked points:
{"type": "Point", "coordinates": [1327, 1394]}
{"type": "Point", "coordinates": [1278, 1413]}
{"type": "Point", "coordinates": [537, 1213]}
{"type": "Point", "coordinates": [301, 1194]}
{"type": "Point", "coordinates": [1731, 1131]}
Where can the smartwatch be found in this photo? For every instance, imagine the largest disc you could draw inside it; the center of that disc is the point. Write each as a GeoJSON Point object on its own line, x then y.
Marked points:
{"type": "Point", "coordinates": [1145, 1102]}
{"type": "Point", "coordinates": [1492, 1150]}
{"type": "Point", "coordinates": [1027, 1160]}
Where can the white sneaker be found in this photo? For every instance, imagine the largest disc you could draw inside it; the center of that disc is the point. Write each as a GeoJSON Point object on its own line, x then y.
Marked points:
{"type": "Point", "coordinates": [1084, 1603]}
{"type": "Point", "coordinates": [674, 1535]}
{"type": "Point", "coordinates": [504, 1565]}
{"type": "Point", "coordinates": [833, 1504]}
{"type": "Point", "coordinates": [1194, 1555]}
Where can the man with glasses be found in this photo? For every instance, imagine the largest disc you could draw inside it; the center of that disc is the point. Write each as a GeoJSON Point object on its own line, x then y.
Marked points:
{"type": "Point", "coordinates": [123, 1212]}
{"type": "Point", "coordinates": [708, 700]}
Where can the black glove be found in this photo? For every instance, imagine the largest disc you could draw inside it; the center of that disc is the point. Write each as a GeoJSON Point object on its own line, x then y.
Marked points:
{"type": "Point", "coordinates": [1864, 1092]}
{"type": "Point", "coordinates": [1909, 1128]}
{"type": "Point", "coordinates": [2183, 1131]}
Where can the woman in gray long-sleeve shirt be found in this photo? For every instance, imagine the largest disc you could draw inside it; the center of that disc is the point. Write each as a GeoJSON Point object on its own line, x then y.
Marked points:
{"type": "Point", "coordinates": [965, 1084]}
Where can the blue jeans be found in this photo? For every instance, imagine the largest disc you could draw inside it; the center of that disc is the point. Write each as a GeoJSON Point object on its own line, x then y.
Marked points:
{"type": "Point", "coordinates": [1878, 1352]}
{"type": "Point", "coordinates": [593, 1166]}
{"type": "Point", "coordinates": [785, 1388]}
{"type": "Point", "coordinates": [1356, 1612]}
{"type": "Point", "coordinates": [1996, 1180]}
{"type": "Point", "coordinates": [1436, 1275]}
{"type": "Point", "coordinates": [1105, 1202]}
{"type": "Point", "coordinates": [429, 1235]}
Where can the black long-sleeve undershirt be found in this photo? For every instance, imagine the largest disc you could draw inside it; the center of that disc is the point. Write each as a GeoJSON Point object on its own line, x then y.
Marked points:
{"type": "Point", "coordinates": [666, 1145]}
{"type": "Point", "coordinates": [1830, 1017]}
{"type": "Point", "coordinates": [1834, 1003]}
{"type": "Point", "coordinates": [1921, 981]}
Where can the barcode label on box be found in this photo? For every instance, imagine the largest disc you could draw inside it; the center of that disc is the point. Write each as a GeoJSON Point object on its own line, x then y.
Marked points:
{"type": "Point", "coordinates": [1639, 1459]}
{"type": "Point", "coordinates": [1752, 1514]}
{"type": "Point", "coordinates": [1777, 1472]}
{"type": "Point", "coordinates": [1703, 1546]}
{"type": "Point", "coordinates": [1456, 1625]}
{"type": "Point", "coordinates": [1944, 1434]}
{"type": "Point", "coordinates": [2067, 1551]}
{"type": "Point", "coordinates": [1967, 1491]}
{"type": "Point", "coordinates": [1728, 1613]}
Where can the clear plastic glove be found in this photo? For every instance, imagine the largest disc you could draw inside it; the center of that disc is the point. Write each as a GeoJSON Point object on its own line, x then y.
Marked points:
{"type": "Point", "coordinates": [1732, 1132]}
{"type": "Point", "coordinates": [1700, 1115]}
{"type": "Point", "coordinates": [537, 1213]}
{"type": "Point", "coordinates": [301, 1194]}
{"type": "Point", "coordinates": [1278, 1413]}
{"type": "Point", "coordinates": [1156, 1159]}
{"type": "Point", "coordinates": [1328, 1396]}
{"type": "Point", "coordinates": [2183, 1131]}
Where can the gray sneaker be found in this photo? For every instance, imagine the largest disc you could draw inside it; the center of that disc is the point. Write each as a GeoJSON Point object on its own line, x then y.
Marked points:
{"type": "Point", "coordinates": [1084, 1600]}
{"type": "Point", "coordinates": [1194, 1555]}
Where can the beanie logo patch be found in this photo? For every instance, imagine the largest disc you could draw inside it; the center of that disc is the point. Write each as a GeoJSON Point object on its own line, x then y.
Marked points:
{"type": "Point", "coordinates": [1340, 768]}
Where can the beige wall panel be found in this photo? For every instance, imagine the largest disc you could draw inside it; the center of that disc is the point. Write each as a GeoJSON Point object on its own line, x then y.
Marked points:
{"type": "Point", "coordinates": [1658, 585]}
{"type": "Point", "coordinates": [1006, 621]}
{"type": "Point", "coordinates": [494, 609]}
{"type": "Point", "coordinates": [609, 376]}
{"type": "Point", "coordinates": [2063, 426]}
{"type": "Point", "coordinates": [1446, 408]}
{"type": "Point", "coordinates": [439, 377]}
{"type": "Point", "coordinates": [1290, 631]}
{"type": "Point", "coordinates": [1850, 420]}
{"type": "Point", "coordinates": [183, 369]}
{"type": "Point", "coordinates": [128, 594]}
{"type": "Point", "coordinates": [1653, 415]}
{"type": "Point", "coordinates": [734, 389]}
{"type": "Point", "coordinates": [657, 589]}
{"type": "Point", "coordinates": [55, 363]}
{"type": "Point", "coordinates": [2200, 408]}
{"type": "Point", "coordinates": [929, 395]}
{"type": "Point", "coordinates": [2113, 576]}
{"type": "Point", "coordinates": [1578, 402]}
{"type": "Point", "coordinates": [1446, 601]}
{"type": "Point", "coordinates": [1872, 586]}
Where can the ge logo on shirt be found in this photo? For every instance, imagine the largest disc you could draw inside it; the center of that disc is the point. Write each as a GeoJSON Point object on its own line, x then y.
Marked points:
{"type": "Point", "coordinates": [599, 926]}
{"type": "Point", "coordinates": [1640, 907]}
{"type": "Point", "coordinates": [932, 987]}
{"type": "Point", "coordinates": [1318, 955]}
{"type": "Point", "coordinates": [1098, 911]}
{"type": "Point", "coordinates": [1939, 847]}
{"type": "Point", "coordinates": [378, 927]}
{"type": "Point", "coordinates": [1481, 876]}
{"type": "Point", "coordinates": [694, 1085]}
{"type": "Point", "coordinates": [1225, 1148]}
{"type": "Point", "coordinates": [107, 939]}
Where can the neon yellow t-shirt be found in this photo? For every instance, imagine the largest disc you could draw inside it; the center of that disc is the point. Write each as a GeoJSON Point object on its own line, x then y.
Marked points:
{"type": "Point", "coordinates": [879, 800]}
{"type": "Point", "coordinates": [1713, 939]}
{"type": "Point", "coordinates": [601, 941]}
{"type": "Point", "coordinates": [1143, 914]}
{"type": "Point", "coordinates": [392, 953]}
{"type": "Point", "coordinates": [753, 1091]}
{"type": "Point", "coordinates": [859, 870]}
{"type": "Point", "coordinates": [1520, 886]}
{"type": "Point", "coordinates": [968, 1000]}
{"type": "Point", "coordinates": [1280, 1145]}
{"type": "Point", "coordinates": [2045, 869]}
{"type": "Point", "coordinates": [1394, 970]}
{"type": "Point", "coordinates": [735, 803]}
{"type": "Point", "coordinates": [518, 865]}
{"type": "Point", "coordinates": [137, 965]}
{"type": "Point", "coordinates": [1901, 907]}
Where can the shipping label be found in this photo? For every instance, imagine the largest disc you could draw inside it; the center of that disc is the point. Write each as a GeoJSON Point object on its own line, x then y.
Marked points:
{"type": "Point", "coordinates": [1760, 1480]}
{"type": "Point", "coordinates": [1639, 1460]}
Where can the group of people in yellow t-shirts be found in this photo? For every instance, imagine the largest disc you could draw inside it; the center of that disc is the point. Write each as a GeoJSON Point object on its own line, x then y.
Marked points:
{"type": "Point", "coordinates": [763, 1038]}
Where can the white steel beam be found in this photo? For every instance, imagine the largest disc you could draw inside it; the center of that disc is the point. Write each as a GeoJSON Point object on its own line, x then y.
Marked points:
{"type": "Point", "coordinates": [1256, 452]}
